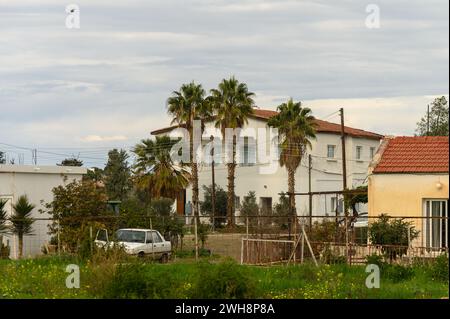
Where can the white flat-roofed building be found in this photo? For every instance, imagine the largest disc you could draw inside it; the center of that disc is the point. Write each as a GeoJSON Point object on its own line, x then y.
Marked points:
{"type": "Point", "coordinates": [37, 183]}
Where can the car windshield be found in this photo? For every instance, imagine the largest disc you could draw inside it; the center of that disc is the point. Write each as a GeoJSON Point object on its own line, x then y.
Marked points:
{"type": "Point", "coordinates": [130, 236]}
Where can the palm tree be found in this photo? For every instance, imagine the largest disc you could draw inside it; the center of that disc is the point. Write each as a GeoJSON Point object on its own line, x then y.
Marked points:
{"type": "Point", "coordinates": [155, 171]}
{"type": "Point", "coordinates": [3, 218]}
{"type": "Point", "coordinates": [21, 221]}
{"type": "Point", "coordinates": [185, 106]}
{"type": "Point", "coordinates": [296, 127]}
{"type": "Point", "coordinates": [232, 104]}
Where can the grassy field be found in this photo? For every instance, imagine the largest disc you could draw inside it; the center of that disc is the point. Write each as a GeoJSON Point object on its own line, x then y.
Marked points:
{"type": "Point", "coordinates": [211, 278]}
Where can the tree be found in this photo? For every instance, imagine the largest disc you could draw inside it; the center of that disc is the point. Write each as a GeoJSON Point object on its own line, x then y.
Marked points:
{"type": "Point", "coordinates": [2, 158]}
{"type": "Point", "coordinates": [232, 104]}
{"type": "Point", "coordinates": [220, 204]}
{"type": "Point", "coordinates": [392, 232]}
{"type": "Point", "coordinates": [186, 106]}
{"type": "Point", "coordinates": [117, 174]}
{"type": "Point", "coordinates": [352, 199]}
{"type": "Point", "coordinates": [281, 211]}
{"type": "Point", "coordinates": [72, 161]}
{"type": "Point", "coordinates": [250, 208]}
{"type": "Point", "coordinates": [21, 221]}
{"type": "Point", "coordinates": [3, 217]}
{"type": "Point", "coordinates": [155, 171]}
{"type": "Point", "coordinates": [94, 174]}
{"type": "Point", "coordinates": [75, 208]}
{"type": "Point", "coordinates": [436, 123]}
{"type": "Point", "coordinates": [296, 127]}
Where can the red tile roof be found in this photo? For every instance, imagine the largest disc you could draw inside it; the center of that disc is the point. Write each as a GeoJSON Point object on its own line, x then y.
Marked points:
{"type": "Point", "coordinates": [418, 154]}
{"type": "Point", "coordinates": [322, 126]}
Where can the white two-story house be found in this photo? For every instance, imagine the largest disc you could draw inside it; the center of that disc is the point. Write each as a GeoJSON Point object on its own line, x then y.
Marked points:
{"type": "Point", "coordinates": [326, 163]}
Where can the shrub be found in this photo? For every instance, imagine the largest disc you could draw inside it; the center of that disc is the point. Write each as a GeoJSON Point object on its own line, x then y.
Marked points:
{"type": "Point", "coordinates": [226, 280]}
{"type": "Point", "coordinates": [144, 281]}
{"type": "Point", "coordinates": [375, 259]}
{"type": "Point", "coordinates": [387, 231]}
{"type": "Point", "coordinates": [397, 273]}
{"type": "Point", "coordinates": [439, 268]}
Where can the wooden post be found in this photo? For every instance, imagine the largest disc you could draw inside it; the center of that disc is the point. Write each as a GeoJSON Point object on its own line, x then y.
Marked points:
{"type": "Point", "coordinates": [310, 190]}
{"type": "Point", "coordinates": [213, 189]}
{"type": "Point", "coordinates": [344, 178]}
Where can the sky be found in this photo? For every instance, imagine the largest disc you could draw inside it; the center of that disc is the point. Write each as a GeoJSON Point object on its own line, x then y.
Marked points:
{"type": "Point", "coordinates": [83, 91]}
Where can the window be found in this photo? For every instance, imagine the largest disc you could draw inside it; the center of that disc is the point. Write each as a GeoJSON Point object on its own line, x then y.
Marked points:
{"type": "Point", "coordinates": [436, 227]}
{"type": "Point", "coordinates": [330, 151]}
{"type": "Point", "coordinates": [156, 238]}
{"type": "Point", "coordinates": [249, 152]}
{"type": "Point", "coordinates": [372, 152]}
{"type": "Point", "coordinates": [358, 152]}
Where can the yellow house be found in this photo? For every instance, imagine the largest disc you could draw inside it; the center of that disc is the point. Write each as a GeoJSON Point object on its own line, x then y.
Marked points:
{"type": "Point", "coordinates": [408, 177]}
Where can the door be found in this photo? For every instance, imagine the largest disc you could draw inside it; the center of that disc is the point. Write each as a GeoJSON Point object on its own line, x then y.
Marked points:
{"type": "Point", "coordinates": [158, 244]}
{"type": "Point", "coordinates": [436, 223]}
{"type": "Point", "coordinates": [101, 239]}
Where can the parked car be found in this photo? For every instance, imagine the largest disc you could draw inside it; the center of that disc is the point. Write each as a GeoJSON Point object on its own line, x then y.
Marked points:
{"type": "Point", "coordinates": [361, 221]}
{"type": "Point", "coordinates": [139, 242]}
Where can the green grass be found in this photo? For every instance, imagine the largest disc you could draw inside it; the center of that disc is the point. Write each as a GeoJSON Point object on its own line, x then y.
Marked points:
{"type": "Point", "coordinates": [45, 278]}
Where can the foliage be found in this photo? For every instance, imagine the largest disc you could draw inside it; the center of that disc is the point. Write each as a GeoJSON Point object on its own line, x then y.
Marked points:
{"type": "Point", "coordinates": [439, 268]}
{"type": "Point", "coordinates": [438, 123]}
{"type": "Point", "coordinates": [45, 278]}
{"type": "Point", "coordinates": [249, 207]}
{"type": "Point", "coordinates": [392, 231]}
{"type": "Point", "coordinates": [3, 218]}
{"type": "Point", "coordinates": [226, 280]}
{"type": "Point", "coordinates": [73, 208]}
{"type": "Point", "coordinates": [21, 221]}
{"type": "Point", "coordinates": [72, 161]}
{"type": "Point", "coordinates": [351, 200]}
{"type": "Point", "coordinates": [155, 172]}
{"type": "Point", "coordinates": [202, 232]}
{"type": "Point", "coordinates": [94, 174]}
{"type": "Point", "coordinates": [281, 211]}
{"type": "Point", "coordinates": [117, 174]}
{"type": "Point", "coordinates": [296, 127]}
{"type": "Point", "coordinates": [220, 204]}
{"type": "Point", "coordinates": [232, 104]}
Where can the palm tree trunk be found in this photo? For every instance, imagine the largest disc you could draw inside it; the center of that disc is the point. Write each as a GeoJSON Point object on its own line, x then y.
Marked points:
{"type": "Point", "coordinates": [291, 190]}
{"type": "Point", "coordinates": [195, 192]}
{"type": "Point", "coordinates": [194, 178]}
{"type": "Point", "coordinates": [20, 236]}
{"type": "Point", "coordinates": [230, 194]}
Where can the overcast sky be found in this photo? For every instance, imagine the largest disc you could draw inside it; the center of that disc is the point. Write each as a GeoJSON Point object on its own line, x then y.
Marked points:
{"type": "Point", "coordinates": [84, 90]}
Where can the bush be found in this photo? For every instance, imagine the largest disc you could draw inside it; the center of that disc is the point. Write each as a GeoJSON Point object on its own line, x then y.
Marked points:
{"type": "Point", "coordinates": [439, 268]}
{"type": "Point", "coordinates": [387, 231]}
{"type": "Point", "coordinates": [397, 273]}
{"type": "Point", "coordinates": [144, 281]}
{"type": "Point", "coordinates": [226, 280]}
{"type": "Point", "coordinates": [375, 260]}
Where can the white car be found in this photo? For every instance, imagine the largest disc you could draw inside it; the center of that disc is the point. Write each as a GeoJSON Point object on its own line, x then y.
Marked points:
{"type": "Point", "coordinates": [139, 242]}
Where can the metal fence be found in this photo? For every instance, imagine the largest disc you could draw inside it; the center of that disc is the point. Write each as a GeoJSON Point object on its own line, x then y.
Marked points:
{"type": "Point", "coordinates": [261, 239]}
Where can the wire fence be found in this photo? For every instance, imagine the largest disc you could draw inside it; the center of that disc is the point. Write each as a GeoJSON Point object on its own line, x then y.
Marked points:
{"type": "Point", "coordinates": [258, 240]}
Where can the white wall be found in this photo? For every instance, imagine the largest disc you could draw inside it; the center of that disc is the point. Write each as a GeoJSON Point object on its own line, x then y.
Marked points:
{"type": "Point", "coordinates": [326, 174]}
{"type": "Point", "coordinates": [37, 185]}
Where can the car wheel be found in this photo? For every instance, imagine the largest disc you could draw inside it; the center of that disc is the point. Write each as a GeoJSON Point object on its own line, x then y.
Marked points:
{"type": "Point", "coordinates": [141, 254]}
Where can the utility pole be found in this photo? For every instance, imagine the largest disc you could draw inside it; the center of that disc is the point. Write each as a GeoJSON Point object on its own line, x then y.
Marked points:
{"type": "Point", "coordinates": [344, 161]}
{"type": "Point", "coordinates": [213, 194]}
{"type": "Point", "coordinates": [428, 119]}
{"type": "Point", "coordinates": [310, 190]}
{"type": "Point", "coordinates": [344, 178]}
